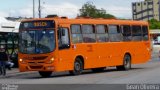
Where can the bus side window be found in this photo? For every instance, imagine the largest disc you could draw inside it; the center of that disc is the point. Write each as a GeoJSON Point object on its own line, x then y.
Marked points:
{"type": "Point", "coordinates": [145, 33]}
{"type": "Point", "coordinates": [136, 33]}
{"type": "Point", "coordinates": [88, 32]}
{"type": "Point", "coordinates": [126, 32]}
{"type": "Point", "coordinates": [102, 34]}
{"type": "Point", "coordinates": [115, 34]}
{"type": "Point", "coordinates": [63, 38]}
{"type": "Point", "coordinates": [76, 34]}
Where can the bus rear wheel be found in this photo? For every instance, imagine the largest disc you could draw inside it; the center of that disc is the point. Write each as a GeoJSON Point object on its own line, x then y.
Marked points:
{"type": "Point", "coordinates": [78, 67]}
{"type": "Point", "coordinates": [45, 73]}
{"type": "Point", "coordinates": [126, 63]}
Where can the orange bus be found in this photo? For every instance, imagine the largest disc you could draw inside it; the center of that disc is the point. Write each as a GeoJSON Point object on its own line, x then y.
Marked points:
{"type": "Point", "coordinates": [58, 44]}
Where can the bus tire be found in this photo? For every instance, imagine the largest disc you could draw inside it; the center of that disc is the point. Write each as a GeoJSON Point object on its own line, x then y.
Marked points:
{"type": "Point", "coordinates": [78, 67]}
{"type": "Point", "coordinates": [98, 69]}
{"type": "Point", "coordinates": [126, 63]}
{"type": "Point", "coordinates": [45, 73]}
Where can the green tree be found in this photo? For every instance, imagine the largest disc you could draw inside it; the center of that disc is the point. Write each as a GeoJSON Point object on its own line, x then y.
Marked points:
{"type": "Point", "coordinates": [90, 10]}
{"type": "Point", "coordinates": [154, 24]}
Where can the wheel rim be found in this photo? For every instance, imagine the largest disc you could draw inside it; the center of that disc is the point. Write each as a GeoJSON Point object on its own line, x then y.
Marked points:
{"type": "Point", "coordinates": [77, 66]}
{"type": "Point", "coordinates": [127, 62]}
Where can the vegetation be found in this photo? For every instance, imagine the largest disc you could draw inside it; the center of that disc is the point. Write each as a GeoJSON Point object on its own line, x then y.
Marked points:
{"type": "Point", "coordinates": [90, 10]}
{"type": "Point", "coordinates": [154, 24]}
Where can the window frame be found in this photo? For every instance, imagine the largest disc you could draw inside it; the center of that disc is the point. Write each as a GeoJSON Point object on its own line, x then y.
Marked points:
{"type": "Point", "coordinates": [76, 33]}
{"type": "Point", "coordinates": [75, 24]}
{"type": "Point", "coordinates": [145, 33]}
{"type": "Point", "coordinates": [61, 48]}
{"type": "Point", "coordinates": [122, 31]}
{"type": "Point", "coordinates": [106, 32]}
{"type": "Point", "coordinates": [137, 33]}
{"type": "Point", "coordinates": [94, 33]}
{"type": "Point", "coordinates": [119, 31]}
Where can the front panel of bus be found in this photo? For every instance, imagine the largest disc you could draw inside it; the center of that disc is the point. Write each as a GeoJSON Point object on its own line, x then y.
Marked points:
{"type": "Point", "coordinates": [37, 45]}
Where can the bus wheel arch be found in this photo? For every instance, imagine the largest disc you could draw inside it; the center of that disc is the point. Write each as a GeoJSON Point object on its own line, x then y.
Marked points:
{"type": "Point", "coordinates": [127, 53]}
{"type": "Point", "coordinates": [127, 60]}
{"type": "Point", "coordinates": [78, 66]}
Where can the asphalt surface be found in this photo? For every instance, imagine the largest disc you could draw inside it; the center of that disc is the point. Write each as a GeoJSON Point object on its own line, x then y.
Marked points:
{"type": "Point", "coordinates": [141, 73]}
{"type": "Point", "coordinates": [147, 73]}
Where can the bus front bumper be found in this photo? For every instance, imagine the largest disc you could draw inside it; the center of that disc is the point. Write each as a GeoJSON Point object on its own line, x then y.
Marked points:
{"type": "Point", "coordinates": [24, 68]}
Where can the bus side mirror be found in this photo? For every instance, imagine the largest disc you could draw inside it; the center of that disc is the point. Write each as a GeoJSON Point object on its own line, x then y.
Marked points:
{"type": "Point", "coordinates": [63, 32]}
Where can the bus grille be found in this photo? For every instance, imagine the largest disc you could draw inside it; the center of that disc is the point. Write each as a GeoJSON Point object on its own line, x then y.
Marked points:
{"type": "Point", "coordinates": [36, 67]}
{"type": "Point", "coordinates": [36, 58]}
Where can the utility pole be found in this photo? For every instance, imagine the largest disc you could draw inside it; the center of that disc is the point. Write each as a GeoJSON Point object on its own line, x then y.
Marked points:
{"type": "Point", "coordinates": [33, 8]}
{"type": "Point", "coordinates": [39, 8]}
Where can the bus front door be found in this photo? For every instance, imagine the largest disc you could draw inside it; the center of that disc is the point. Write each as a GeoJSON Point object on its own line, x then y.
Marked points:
{"type": "Point", "coordinates": [64, 49]}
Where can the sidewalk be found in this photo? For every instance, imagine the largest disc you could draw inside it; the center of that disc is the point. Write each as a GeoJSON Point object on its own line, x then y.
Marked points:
{"type": "Point", "coordinates": [14, 72]}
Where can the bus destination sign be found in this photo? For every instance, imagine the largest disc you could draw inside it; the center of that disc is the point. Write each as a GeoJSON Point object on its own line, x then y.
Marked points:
{"type": "Point", "coordinates": [37, 24]}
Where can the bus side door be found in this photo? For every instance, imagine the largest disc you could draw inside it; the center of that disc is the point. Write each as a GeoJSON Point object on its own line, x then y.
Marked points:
{"type": "Point", "coordinates": [64, 49]}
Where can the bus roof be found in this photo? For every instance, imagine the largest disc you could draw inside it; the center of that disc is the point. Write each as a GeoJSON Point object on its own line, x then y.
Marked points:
{"type": "Point", "coordinates": [91, 21]}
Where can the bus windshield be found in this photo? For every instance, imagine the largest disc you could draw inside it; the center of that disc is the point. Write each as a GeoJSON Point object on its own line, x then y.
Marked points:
{"type": "Point", "coordinates": [37, 41]}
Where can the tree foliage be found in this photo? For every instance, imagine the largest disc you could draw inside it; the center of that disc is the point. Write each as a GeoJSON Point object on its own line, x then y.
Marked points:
{"type": "Point", "coordinates": [90, 10]}
{"type": "Point", "coordinates": [154, 24]}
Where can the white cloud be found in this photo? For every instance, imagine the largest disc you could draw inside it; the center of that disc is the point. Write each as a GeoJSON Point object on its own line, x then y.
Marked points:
{"type": "Point", "coordinates": [71, 10]}
{"type": "Point", "coordinates": [118, 11]}
{"type": "Point", "coordinates": [63, 9]}
{"type": "Point", "coordinates": [121, 12]}
{"type": "Point", "coordinates": [26, 12]}
{"type": "Point", "coordinates": [3, 14]}
{"type": "Point", "coordinates": [23, 12]}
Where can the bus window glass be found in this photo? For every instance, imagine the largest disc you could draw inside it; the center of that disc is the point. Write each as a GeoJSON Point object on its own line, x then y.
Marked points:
{"type": "Point", "coordinates": [63, 40]}
{"type": "Point", "coordinates": [145, 33]}
{"type": "Point", "coordinates": [76, 34]}
{"type": "Point", "coordinates": [102, 35]}
{"type": "Point", "coordinates": [114, 33]}
{"type": "Point", "coordinates": [88, 33]}
{"type": "Point", "coordinates": [136, 33]}
{"type": "Point", "coordinates": [126, 32]}
{"type": "Point", "coordinates": [33, 42]}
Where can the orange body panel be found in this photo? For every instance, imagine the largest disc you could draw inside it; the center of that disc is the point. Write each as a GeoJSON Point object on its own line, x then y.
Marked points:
{"type": "Point", "coordinates": [94, 54]}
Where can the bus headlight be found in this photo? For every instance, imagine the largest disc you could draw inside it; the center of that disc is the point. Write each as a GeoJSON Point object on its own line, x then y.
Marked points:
{"type": "Point", "coordinates": [22, 61]}
{"type": "Point", "coordinates": [51, 61]}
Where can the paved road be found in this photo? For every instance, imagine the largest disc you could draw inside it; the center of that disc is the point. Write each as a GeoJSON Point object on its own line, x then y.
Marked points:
{"type": "Point", "coordinates": [147, 73]}
{"type": "Point", "coordinates": [141, 73]}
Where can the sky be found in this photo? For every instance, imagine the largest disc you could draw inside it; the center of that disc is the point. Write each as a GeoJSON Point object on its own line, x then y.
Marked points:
{"type": "Point", "coordinates": [69, 8]}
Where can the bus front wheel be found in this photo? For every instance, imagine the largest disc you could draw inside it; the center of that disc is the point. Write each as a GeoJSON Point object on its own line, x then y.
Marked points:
{"type": "Point", "coordinates": [126, 63]}
{"type": "Point", "coordinates": [78, 67]}
{"type": "Point", "coordinates": [45, 73]}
